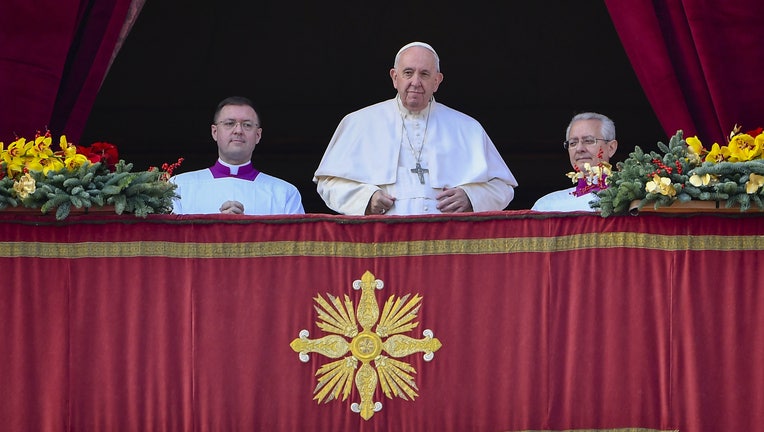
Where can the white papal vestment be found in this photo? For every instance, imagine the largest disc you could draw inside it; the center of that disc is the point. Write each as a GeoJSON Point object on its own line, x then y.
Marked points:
{"type": "Point", "coordinates": [378, 146]}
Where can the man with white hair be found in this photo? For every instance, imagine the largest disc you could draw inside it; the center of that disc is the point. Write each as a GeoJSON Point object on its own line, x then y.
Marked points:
{"type": "Point", "coordinates": [590, 142]}
{"type": "Point", "coordinates": [410, 155]}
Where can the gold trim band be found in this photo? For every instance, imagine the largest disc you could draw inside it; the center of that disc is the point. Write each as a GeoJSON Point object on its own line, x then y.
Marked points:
{"type": "Point", "coordinates": [387, 249]}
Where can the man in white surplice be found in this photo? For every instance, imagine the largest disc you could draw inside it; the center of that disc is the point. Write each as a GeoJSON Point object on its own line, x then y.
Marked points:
{"type": "Point", "coordinates": [233, 185]}
{"type": "Point", "coordinates": [411, 155]}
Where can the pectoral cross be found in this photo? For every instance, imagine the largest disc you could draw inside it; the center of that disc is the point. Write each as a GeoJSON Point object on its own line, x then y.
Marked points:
{"type": "Point", "coordinates": [420, 172]}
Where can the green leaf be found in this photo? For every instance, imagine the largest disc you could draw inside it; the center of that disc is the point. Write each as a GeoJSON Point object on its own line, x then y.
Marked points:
{"type": "Point", "coordinates": [63, 211]}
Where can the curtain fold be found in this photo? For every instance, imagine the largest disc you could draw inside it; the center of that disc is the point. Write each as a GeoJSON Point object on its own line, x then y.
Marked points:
{"type": "Point", "coordinates": [698, 62]}
{"type": "Point", "coordinates": [51, 69]}
{"type": "Point", "coordinates": [708, 355]}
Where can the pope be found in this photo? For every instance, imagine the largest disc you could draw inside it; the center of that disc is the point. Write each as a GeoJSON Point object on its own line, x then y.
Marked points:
{"type": "Point", "coordinates": [411, 155]}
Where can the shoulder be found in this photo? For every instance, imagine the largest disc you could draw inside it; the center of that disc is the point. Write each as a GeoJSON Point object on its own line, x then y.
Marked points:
{"type": "Point", "coordinates": [370, 121]}
{"type": "Point", "coordinates": [452, 114]}
{"type": "Point", "coordinates": [275, 183]}
{"type": "Point", "coordinates": [455, 118]}
{"type": "Point", "coordinates": [375, 109]}
{"type": "Point", "coordinates": [552, 199]}
{"type": "Point", "coordinates": [191, 176]}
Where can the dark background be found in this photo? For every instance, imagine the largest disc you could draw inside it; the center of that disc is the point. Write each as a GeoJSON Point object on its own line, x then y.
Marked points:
{"type": "Point", "coordinates": [523, 69]}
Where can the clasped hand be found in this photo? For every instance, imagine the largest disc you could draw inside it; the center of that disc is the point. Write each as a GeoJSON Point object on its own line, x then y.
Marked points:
{"type": "Point", "coordinates": [453, 200]}
{"type": "Point", "coordinates": [232, 207]}
{"type": "Point", "coordinates": [450, 200]}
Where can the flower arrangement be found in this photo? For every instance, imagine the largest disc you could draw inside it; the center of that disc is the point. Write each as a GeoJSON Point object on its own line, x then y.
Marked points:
{"type": "Point", "coordinates": [590, 179]}
{"type": "Point", "coordinates": [732, 173]}
{"type": "Point", "coordinates": [33, 175]}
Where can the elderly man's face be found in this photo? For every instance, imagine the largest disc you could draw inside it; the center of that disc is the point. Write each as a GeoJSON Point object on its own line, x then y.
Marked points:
{"type": "Point", "coordinates": [416, 78]}
{"type": "Point", "coordinates": [600, 150]}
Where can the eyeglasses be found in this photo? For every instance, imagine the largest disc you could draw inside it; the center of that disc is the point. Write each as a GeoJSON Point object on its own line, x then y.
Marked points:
{"type": "Point", "coordinates": [246, 125]}
{"type": "Point", "coordinates": [586, 141]}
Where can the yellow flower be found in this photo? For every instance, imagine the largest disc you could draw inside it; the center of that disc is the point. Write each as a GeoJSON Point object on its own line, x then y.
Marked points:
{"type": "Point", "coordinates": [41, 147]}
{"type": "Point", "coordinates": [743, 148]}
{"type": "Point", "coordinates": [759, 141]}
{"type": "Point", "coordinates": [697, 180]}
{"type": "Point", "coordinates": [661, 185]}
{"type": "Point", "coordinates": [755, 181]}
{"type": "Point", "coordinates": [600, 169]}
{"type": "Point", "coordinates": [62, 142]}
{"type": "Point", "coordinates": [575, 175]}
{"type": "Point", "coordinates": [74, 161]}
{"type": "Point", "coordinates": [50, 164]}
{"type": "Point", "coordinates": [24, 186]}
{"type": "Point", "coordinates": [695, 149]}
{"type": "Point", "coordinates": [15, 156]}
{"type": "Point", "coordinates": [17, 149]}
{"type": "Point", "coordinates": [717, 154]}
{"type": "Point", "coordinates": [592, 174]}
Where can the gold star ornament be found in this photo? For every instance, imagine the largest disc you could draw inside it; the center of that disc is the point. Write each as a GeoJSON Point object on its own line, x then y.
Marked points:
{"type": "Point", "coordinates": [366, 357]}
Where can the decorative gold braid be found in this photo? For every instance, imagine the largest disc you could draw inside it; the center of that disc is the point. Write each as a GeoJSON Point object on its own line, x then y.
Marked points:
{"type": "Point", "coordinates": [388, 249]}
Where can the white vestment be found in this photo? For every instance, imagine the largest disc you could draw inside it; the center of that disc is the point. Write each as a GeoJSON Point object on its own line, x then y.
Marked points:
{"type": "Point", "coordinates": [565, 201]}
{"type": "Point", "coordinates": [201, 193]}
{"type": "Point", "coordinates": [378, 146]}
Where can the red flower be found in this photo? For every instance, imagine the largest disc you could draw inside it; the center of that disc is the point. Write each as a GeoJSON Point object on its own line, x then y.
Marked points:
{"type": "Point", "coordinates": [101, 152]}
{"type": "Point", "coordinates": [754, 133]}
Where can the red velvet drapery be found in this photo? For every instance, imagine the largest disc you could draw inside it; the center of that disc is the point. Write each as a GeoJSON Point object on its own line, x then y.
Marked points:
{"type": "Point", "coordinates": [699, 62]}
{"type": "Point", "coordinates": [547, 322]}
{"type": "Point", "coordinates": [54, 55]}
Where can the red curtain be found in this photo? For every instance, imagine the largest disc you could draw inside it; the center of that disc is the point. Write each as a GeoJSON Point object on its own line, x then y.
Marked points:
{"type": "Point", "coordinates": [54, 55]}
{"type": "Point", "coordinates": [546, 321]}
{"type": "Point", "coordinates": [699, 62]}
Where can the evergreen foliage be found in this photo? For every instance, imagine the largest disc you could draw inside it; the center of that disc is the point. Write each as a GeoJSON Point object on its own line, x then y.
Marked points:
{"type": "Point", "coordinates": [628, 182]}
{"type": "Point", "coordinates": [94, 185]}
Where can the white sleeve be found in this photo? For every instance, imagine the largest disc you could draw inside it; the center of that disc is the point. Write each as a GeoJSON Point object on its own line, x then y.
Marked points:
{"type": "Point", "coordinates": [494, 195]}
{"type": "Point", "coordinates": [345, 196]}
{"type": "Point", "coordinates": [294, 202]}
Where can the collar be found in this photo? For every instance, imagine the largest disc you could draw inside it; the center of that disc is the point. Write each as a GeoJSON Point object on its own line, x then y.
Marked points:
{"type": "Point", "coordinates": [405, 113]}
{"type": "Point", "coordinates": [246, 171]}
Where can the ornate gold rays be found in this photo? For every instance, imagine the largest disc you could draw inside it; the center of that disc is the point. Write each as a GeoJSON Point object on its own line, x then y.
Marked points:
{"type": "Point", "coordinates": [395, 377]}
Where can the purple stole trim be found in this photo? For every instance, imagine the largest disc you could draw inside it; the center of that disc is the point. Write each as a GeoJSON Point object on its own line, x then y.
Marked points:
{"type": "Point", "coordinates": [584, 187]}
{"type": "Point", "coordinates": [246, 172]}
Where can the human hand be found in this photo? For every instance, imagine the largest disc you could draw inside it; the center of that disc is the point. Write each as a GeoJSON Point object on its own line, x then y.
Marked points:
{"type": "Point", "coordinates": [453, 200]}
{"type": "Point", "coordinates": [379, 203]}
{"type": "Point", "coordinates": [232, 207]}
